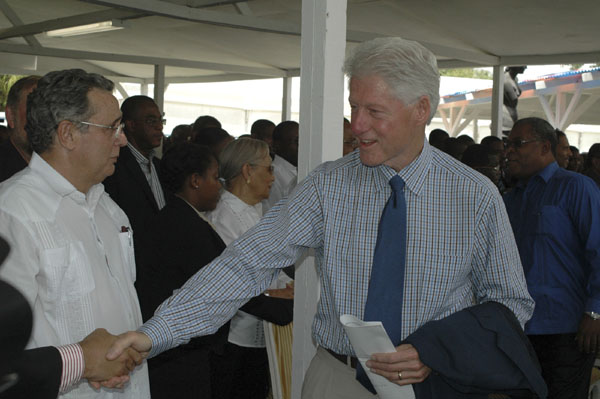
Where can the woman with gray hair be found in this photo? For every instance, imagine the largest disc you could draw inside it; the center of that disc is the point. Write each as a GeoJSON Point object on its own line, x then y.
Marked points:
{"type": "Point", "coordinates": [243, 370]}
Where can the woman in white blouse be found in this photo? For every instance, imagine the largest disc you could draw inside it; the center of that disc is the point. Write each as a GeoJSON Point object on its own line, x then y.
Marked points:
{"type": "Point", "coordinates": [247, 173]}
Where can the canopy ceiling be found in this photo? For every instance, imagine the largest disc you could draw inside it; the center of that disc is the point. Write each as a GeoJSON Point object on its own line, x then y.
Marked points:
{"type": "Point", "coordinates": [215, 40]}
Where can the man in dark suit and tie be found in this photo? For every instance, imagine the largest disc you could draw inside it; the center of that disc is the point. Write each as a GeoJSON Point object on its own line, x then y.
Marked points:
{"type": "Point", "coordinates": [135, 185]}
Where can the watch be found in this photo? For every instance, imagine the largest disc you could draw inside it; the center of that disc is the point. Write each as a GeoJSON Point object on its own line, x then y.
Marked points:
{"type": "Point", "coordinates": [593, 315]}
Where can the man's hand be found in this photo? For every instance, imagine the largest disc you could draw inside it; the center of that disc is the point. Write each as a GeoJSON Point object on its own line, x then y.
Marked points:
{"type": "Point", "coordinates": [588, 335]}
{"type": "Point", "coordinates": [98, 368]}
{"type": "Point", "coordinates": [135, 340]}
{"type": "Point", "coordinates": [402, 367]}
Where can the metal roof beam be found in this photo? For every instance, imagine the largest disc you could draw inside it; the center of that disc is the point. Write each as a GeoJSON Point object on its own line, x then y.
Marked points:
{"type": "Point", "coordinates": [225, 77]}
{"type": "Point", "coordinates": [136, 59]}
{"type": "Point", "coordinates": [205, 3]}
{"type": "Point", "coordinates": [67, 22]}
{"type": "Point", "coordinates": [568, 58]}
{"type": "Point", "coordinates": [170, 10]}
{"type": "Point", "coordinates": [17, 23]}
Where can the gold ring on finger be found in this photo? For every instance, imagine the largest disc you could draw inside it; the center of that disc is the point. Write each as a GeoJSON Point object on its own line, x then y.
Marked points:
{"type": "Point", "coordinates": [399, 375]}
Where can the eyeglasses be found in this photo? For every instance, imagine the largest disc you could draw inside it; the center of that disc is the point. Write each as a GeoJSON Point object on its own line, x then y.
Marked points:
{"type": "Point", "coordinates": [152, 121]}
{"type": "Point", "coordinates": [518, 143]}
{"type": "Point", "coordinates": [118, 129]}
{"type": "Point", "coordinates": [271, 168]}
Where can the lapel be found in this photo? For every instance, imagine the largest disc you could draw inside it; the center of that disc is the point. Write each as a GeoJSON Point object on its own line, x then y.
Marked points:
{"type": "Point", "coordinates": [133, 168]}
{"type": "Point", "coordinates": [178, 204]}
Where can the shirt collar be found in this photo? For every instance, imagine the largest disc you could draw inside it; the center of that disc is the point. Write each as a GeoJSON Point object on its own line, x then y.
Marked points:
{"type": "Point", "coordinates": [413, 174]}
{"type": "Point", "coordinates": [62, 187]}
{"type": "Point", "coordinates": [282, 162]}
{"type": "Point", "coordinates": [544, 174]}
{"type": "Point", "coordinates": [139, 156]}
{"type": "Point", "coordinates": [549, 171]}
{"type": "Point", "coordinates": [237, 205]}
{"type": "Point", "coordinates": [201, 214]}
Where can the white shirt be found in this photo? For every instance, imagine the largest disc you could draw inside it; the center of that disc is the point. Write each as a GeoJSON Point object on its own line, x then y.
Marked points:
{"type": "Point", "coordinates": [73, 261]}
{"type": "Point", "coordinates": [286, 178]}
{"type": "Point", "coordinates": [231, 218]}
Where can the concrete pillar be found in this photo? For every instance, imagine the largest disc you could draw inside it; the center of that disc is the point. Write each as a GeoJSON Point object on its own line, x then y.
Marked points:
{"type": "Point", "coordinates": [323, 46]}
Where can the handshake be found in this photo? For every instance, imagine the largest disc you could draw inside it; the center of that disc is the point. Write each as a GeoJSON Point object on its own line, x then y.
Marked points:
{"type": "Point", "coordinates": [109, 359]}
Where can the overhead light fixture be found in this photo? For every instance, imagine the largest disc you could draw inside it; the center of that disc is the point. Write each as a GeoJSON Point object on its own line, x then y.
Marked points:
{"type": "Point", "coordinates": [90, 28]}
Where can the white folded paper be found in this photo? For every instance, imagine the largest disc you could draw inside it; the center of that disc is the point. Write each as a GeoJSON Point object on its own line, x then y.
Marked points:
{"type": "Point", "coordinates": [368, 337]}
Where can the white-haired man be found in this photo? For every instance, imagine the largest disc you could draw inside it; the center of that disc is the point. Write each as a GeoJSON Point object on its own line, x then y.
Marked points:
{"type": "Point", "coordinates": [449, 246]}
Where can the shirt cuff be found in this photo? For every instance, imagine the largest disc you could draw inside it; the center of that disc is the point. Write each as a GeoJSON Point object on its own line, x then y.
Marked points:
{"type": "Point", "coordinates": [157, 329]}
{"type": "Point", "coordinates": [73, 365]}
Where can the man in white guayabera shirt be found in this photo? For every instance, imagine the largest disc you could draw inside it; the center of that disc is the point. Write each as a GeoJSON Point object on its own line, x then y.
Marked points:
{"type": "Point", "coordinates": [72, 251]}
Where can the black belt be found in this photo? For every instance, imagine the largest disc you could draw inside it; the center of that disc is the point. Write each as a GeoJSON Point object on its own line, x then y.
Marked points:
{"type": "Point", "coordinates": [347, 360]}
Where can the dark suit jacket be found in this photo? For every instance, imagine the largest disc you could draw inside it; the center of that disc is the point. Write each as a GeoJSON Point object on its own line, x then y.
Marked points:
{"type": "Point", "coordinates": [175, 246]}
{"type": "Point", "coordinates": [129, 188]}
{"type": "Point", "coordinates": [11, 161]}
{"type": "Point", "coordinates": [39, 372]}
{"type": "Point", "coordinates": [476, 352]}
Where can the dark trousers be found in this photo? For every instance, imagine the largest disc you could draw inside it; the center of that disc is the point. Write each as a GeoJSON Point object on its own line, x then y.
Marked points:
{"type": "Point", "coordinates": [565, 369]}
{"type": "Point", "coordinates": [240, 373]}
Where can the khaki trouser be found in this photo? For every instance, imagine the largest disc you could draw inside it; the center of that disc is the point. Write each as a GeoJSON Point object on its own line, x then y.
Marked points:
{"type": "Point", "coordinates": [328, 378]}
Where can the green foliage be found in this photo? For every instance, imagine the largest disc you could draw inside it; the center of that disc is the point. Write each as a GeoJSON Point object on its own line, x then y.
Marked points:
{"type": "Point", "coordinates": [575, 67]}
{"type": "Point", "coordinates": [6, 82]}
{"type": "Point", "coordinates": [467, 73]}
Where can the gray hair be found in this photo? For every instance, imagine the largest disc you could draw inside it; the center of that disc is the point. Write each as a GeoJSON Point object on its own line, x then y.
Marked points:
{"type": "Point", "coordinates": [408, 68]}
{"type": "Point", "coordinates": [59, 96]}
{"type": "Point", "coordinates": [238, 153]}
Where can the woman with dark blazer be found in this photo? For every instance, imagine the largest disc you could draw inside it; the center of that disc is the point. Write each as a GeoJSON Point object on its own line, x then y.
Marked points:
{"type": "Point", "coordinates": [177, 243]}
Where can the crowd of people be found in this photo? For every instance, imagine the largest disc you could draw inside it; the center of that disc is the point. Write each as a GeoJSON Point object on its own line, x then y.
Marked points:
{"type": "Point", "coordinates": [123, 256]}
{"type": "Point", "coordinates": [180, 212]}
{"type": "Point", "coordinates": [489, 156]}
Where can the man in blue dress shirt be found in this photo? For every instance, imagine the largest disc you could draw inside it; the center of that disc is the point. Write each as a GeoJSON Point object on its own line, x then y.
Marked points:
{"type": "Point", "coordinates": [555, 215]}
{"type": "Point", "coordinates": [459, 248]}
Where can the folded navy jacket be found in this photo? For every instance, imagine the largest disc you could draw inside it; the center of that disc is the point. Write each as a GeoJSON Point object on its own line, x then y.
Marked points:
{"type": "Point", "coordinates": [476, 352]}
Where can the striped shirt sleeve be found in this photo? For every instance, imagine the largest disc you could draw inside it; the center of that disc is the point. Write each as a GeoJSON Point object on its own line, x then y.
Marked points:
{"type": "Point", "coordinates": [73, 365]}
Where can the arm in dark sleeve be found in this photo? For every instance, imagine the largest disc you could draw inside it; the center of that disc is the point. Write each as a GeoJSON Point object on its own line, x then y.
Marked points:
{"type": "Point", "coordinates": [39, 374]}
{"type": "Point", "coordinates": [278, 311]}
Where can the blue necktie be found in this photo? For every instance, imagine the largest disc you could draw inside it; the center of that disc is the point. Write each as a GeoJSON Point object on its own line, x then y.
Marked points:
{"type": "Point", "coordinates": [386, 287]}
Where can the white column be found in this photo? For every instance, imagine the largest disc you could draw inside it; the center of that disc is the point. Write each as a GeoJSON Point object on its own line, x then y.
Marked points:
{"type": "Point", "coordinates": [144, 89]}
{"type": "Point", "coordinates": [159, 86]}
{"type": "Point", "coordinates": [121, 90]}
{"type": "Point", "coordinates": [497, 100]}
{"type": "Point", "coordinates": [286, 100]}
{"type": "Point", "coordinates": [323, 46]}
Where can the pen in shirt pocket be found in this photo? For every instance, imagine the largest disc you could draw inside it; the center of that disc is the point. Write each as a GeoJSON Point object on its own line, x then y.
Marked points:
{"type": "Point", "coordinates": [125, 229]}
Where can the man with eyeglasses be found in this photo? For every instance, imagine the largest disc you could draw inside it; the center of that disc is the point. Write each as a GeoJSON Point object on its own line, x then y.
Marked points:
{"type": "Point", "coordinates": [136, 185]}
{"type": "Point", "coordinates": [555, 216]}
{"type": "Point", "coordinates": [71, 250]}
